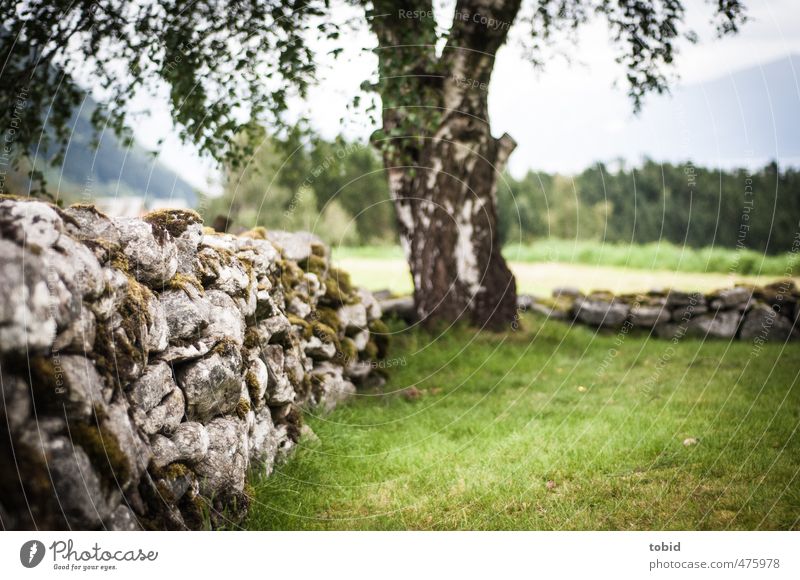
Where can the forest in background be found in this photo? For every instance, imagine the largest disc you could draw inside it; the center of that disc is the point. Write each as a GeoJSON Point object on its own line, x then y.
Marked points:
{"type": "Point", "coordinates": [338, 190]}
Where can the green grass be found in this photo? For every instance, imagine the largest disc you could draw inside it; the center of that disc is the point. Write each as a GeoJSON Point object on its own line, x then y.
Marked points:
{"type": "Point", "coordinates": [656, 256]}
{"type": "Point", "coordinates": [600, 416]}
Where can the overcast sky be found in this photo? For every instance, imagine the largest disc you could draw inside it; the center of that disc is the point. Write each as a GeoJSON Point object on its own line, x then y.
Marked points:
{"type": "Point", "coordinates": [564, 118]}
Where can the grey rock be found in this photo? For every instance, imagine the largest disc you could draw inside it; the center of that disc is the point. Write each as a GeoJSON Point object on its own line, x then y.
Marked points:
{"type": "Point", "coordinates": [158, 330]}
{"type": "Point", "coordinates": [152, 261]}
{"type": "Point", "coordinates": [676, 298]}
{"type": "Point", "coordinates": [186, 313]}
{"type": "Point", "coordinates": [764, 323]}
{"type": "Point", "coordinates": [211, 384]}
{"type": "Point", "coordinates": [279, 390]}
{"type": "Point", "coordinates": [30, 223]}
{"type": "Point", "coordinates": [15, 401]}
{"type": "Point", "coordinates": [719, 325]}
{"type": "Point", "coordinates": [263, 441]}
{"type": "Point", "coordinates": [148, 391]}
{"type": "Point", "coordinates": [370, 303]}
{"type": "Point", "coordinates": [224, 320]}
{"type": "Point", "coordinates": [257, 379]}
{"type": "Point", "coordinates": [295, 246]}
{"type": "Point", "coordinates": [601, 313]}
{"type": "Point", "coordinates": [77, 485]}
{"type": "Point", "coordinates": [133, 450]}
{"type": "Point", "coordinates": [122, 519]}
{"type": "Point", "coordinates": [225, 464]}
{"type": "Point", "coordinates": [689, 311]}
{"type": "Point", "coordinates": [26, 319]}
{"type": "Point", "coordinates": [79, 336]}
{"type": "Point", "coordinates": [331, 388]}
{"type": "Point", "coordinates": [298, 307]}
{"type": "Point", "coordinates": [353, 316]}
{"type": "Point", "coordinates": [361, 339]}
{"type": "Point", "coordinates": [189, 444]}
{"type": "Point", "coordinates": [86, 223]}
{"type": "Point", "coordinates": [84, 390]}
{"type": "Point", "coordinates": [649, 316]}
{"type": "Point", "coordinates": [318, 349]}
{"type": "Point", "coordinates": [730, 298]}
{"type": "Point", "coordinates": [76, 266]}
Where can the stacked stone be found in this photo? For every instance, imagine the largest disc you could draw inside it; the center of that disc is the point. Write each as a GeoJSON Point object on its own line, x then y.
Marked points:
{"type": "Point", "coordinates": [768, 313]}
{"type": "Point", "coordinates": [147, 365]}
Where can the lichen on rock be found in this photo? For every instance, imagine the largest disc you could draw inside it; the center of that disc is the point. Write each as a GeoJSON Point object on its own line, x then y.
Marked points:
{"type": "Point", "coordinates": [149, 364]}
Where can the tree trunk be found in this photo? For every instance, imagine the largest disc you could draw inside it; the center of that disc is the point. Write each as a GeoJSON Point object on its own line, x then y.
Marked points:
{"type": "Point", "coordinates": [447, 216]}
{"type": "Point", "coordinates": [442, 161]}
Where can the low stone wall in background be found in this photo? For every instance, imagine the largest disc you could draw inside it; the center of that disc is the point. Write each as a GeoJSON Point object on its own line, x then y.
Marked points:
{"type": "Point", "coordinates": [147, 365]}
{"type": "Point", "coordinates": [759, 314]}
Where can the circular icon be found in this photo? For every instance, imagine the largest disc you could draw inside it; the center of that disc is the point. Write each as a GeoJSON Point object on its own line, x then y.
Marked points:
{"type": "Point", "coordinates": [31, 553]}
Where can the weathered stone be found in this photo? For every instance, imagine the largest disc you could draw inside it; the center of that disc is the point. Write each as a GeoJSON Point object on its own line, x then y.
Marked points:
{"type": "Point", "coordinates": [79, 336]}
{"type": "Point", "coordinates": [676, 298]}
{"type": "Point", "coordinates": [30, 223]}
{"type": "Point", "coordinates": [263, 441]}
{"type": "Point", "coordinates": [186, 313]}
{"type": "Point", "coordinates": [374, 311]}
{"type": "Point", "coordinates": [730, 298]}
{"type": "Point", "coordinates": [225, 464]}
{"type": "Point", "coordinates": [298, 307]}
{"type": "Point", "coordinates": [601, 313]}
{"type": "Point", "coordinates": [84, 390]}
{"type": "Point", "coordinates": [353, 316]}
{"type": "Point", "coordinates": [133, 452]}
{"type": "Point", "coordinates": [329, 386]}
{"type": "Point", "coordinates": [688, 311]}
{"type": "Point", "coordinates": [26, 319]}
{"type": "Point", "coordinates": [649, 316]}
{"type": "Point", "coordinates": [212, 384]}
{"type": "Point", "coordinates": [764, 323]}
{"type": "Point", "coordinates": [148, 391]}
{"type": "Point", "coordinates": [152, 261]}
{"type": "Point", "coordinates": [76, 266]}
{"type": "Point", "coordinates": [295, 246]}
{"type": "Point", "coordinates": [279, 390]}
{"type": "Point", "coordinates": [158, 329]}
{"type": "Point", "coordinates": [318, 349]}
{"type": "Point", "coordinates": [257, 380]}
{"type": "Point", "coordinates": [77, 485]}
{"type": "Point", "coordinates": [86, 223]}
{"type": "Point", "coordinates": [189, 444]}
{"type": "Point", "coordinates": [122, 519]}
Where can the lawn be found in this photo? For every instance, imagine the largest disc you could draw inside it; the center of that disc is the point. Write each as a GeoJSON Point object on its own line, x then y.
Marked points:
{"type": "Point", "coordinates": [552, 427]}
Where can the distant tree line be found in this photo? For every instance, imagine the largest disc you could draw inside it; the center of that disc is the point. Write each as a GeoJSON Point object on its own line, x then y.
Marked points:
{"type": "Point", "coordinates": [338, 189]}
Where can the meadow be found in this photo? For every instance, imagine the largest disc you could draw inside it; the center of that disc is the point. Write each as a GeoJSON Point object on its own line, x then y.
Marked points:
{"type": "Point", "coordinates": [556, 428]}
{"type": "Point", "coordinates": [590, 266]}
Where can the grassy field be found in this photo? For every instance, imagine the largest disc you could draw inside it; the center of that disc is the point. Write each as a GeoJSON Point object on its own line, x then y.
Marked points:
{"type": "Point", "coordinates": [552, 427]}
{"type": "Point", "coordinates": [385, 268]}
{"type": "Point", "coordinates": [662, 256]}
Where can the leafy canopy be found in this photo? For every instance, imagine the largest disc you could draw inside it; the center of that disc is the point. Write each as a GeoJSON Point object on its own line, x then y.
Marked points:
{"type": "Point", "coordinates": [231, 65]}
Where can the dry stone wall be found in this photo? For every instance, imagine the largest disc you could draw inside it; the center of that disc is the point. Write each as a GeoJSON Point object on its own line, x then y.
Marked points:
{"type": "Point", "coordinates": [758, 314]}
{"type": "Point", "coordinates": [148, 365]}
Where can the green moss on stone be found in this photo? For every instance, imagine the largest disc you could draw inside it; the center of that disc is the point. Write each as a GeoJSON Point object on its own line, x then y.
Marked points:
{"type": "Point", "coordinates": [182, 281]}
{"type": "Point", "coordinates": [379, 335]}
{"type": "Point", "coordinates": [329, 317]}
{"type": "Point", "coordinates": [104, 452]}
{"type": "Point", "coordinates": [305, 327]}
{"type": "Point", "coordinates": [172, 221]}
{"type": "Point", "coordinates": [242, 408]}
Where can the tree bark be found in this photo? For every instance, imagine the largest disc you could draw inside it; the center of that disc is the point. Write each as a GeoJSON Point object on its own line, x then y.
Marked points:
{"type": "Point", "coordinates": [443, 162]}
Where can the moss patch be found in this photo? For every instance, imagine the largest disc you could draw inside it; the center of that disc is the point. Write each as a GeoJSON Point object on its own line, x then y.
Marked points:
{"type": "Point", "coordinates": [172, 221]}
